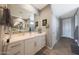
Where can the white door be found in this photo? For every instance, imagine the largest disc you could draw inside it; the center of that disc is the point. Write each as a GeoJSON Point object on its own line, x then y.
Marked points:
{"type": "Point", "coordinates": [66, 28]}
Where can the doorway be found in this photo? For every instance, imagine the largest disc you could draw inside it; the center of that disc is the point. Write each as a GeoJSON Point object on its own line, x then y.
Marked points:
{"type": "Point", "coordinates": [68, 25]}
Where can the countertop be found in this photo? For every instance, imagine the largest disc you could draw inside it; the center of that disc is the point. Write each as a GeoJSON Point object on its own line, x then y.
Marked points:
{"type": "Point", "coordinates": [22, 36]}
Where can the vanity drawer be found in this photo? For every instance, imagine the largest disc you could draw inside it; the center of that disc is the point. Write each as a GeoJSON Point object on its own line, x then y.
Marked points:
{"type": "Point", "coordinates": [16, 48]}
{"type": "Point", "coordinates": [15, 45]}
{"type": "Point", "coordinates": [14, 52]}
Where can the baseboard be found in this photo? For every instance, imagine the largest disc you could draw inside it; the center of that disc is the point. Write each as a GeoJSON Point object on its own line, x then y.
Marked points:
{"type": "Point", "coordinates": [52, 45]}
{"type": "Point", "coordinates": [48, 47]}
{"type": "Point", "coordinates": [67, 37]}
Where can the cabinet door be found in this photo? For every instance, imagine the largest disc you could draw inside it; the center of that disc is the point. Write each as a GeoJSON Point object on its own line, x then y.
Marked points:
{"type": "Point", "coordinates": [40, 42]}
{"type": "Point", "coordinates": [43, 41]}
{"type": "Point", "coordinates": [33, 45]}
{"type": "Point", "coordinates": [30, 46]}
{"type": "Point", "coordinates": [37, 44]}
{"type": "Point", "coordinates": [16, 48]}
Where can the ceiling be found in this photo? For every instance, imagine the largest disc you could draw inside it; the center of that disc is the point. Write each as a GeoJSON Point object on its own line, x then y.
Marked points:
{"type": "Point", "coordinates": [39, 6]}
{"type": "Point", "coordinates": [69, 14]}
{"type": "Point", "coordinates": [62, 9]}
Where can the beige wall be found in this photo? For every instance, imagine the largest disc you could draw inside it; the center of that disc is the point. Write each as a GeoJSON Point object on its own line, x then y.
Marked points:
{"type": "Point", "coordinates": [45, 13]}
{"type": "Point", "coordinates": [53, 30]}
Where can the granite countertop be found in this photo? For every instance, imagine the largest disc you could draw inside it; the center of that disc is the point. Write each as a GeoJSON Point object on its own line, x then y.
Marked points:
{"type": "Point", "coordinates": [23, 36]}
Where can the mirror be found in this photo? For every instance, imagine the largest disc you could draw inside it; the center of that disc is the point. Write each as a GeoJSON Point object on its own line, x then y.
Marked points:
{"type": "Point", "coordinates": [21, 25]}
{"type": "Point", "coordinates": [23, 20]}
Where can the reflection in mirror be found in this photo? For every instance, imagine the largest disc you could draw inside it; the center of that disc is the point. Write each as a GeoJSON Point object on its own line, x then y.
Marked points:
{"type": "Point", "coordinates": [19, 25]}
{"type": "Point", "coordinates": [23, 25]}
{"type": "Point", "coordinates": [32, 23]}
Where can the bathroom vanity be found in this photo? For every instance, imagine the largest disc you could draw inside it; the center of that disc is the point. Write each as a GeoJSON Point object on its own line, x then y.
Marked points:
{"type": "Point", "coordinates": [18, 35]}
{"type": "Point", "coordinates": [26, 43]}
{"type": "Point", "coordinates": [21, 42]}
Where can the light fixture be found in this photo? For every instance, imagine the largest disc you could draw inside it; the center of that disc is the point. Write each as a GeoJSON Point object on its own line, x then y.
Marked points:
{"type": "Point", "coordinates": [31, 23]}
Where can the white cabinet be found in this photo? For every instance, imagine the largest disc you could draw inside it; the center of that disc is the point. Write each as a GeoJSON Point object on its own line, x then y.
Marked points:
{"type": "Point", "coordinates": [43, 41]}
{"type": "Point", "coordinates": [38, 43]}
{"type": "Point", "coordinates": [16, 48]}
{"type": "Point", "coordinates": [30, 46]}
{"type": "Point", "coordinates": [34, 44]}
